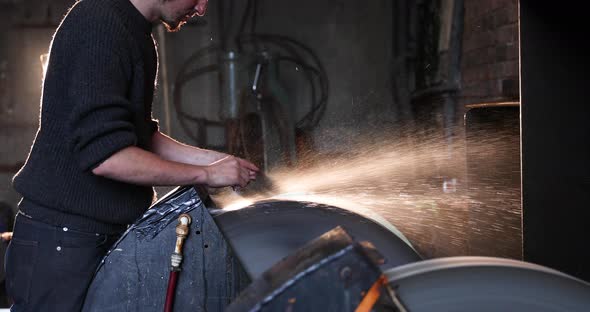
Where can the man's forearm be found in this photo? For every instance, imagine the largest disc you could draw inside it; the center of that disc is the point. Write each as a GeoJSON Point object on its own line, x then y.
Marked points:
{"type": "Point", "coordinates": [137, 166]}
{"type": "Point", "coordinates": [169, 149]}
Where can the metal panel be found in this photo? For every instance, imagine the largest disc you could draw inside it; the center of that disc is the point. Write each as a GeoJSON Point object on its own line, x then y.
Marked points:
{"type": "Point", "coordinates": [134, 275]}
{"type": "Point", "coordinates": [329, 274]}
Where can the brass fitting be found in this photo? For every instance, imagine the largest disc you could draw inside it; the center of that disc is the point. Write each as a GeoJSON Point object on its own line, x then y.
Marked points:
{"type": "Point", "coordinates": [182, 230]}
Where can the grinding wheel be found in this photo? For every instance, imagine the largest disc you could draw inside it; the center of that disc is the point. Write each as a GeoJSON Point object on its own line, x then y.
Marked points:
{"type": "Point", "coordinates": [265, 232]}
{"type": "Point", "coordinates": [486, 284]}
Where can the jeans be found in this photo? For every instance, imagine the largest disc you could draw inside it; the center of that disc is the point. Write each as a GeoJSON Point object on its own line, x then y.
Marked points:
{"type": "Point", "coordinates": [49, 268]}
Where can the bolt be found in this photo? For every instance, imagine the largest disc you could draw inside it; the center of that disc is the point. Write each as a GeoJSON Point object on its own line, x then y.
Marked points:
{"type": "Point", "coordinates": [346, 274]}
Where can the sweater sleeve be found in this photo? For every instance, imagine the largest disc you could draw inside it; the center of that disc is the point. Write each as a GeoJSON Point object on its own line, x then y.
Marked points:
{"type": "Point", "coordinates": [101, 122]}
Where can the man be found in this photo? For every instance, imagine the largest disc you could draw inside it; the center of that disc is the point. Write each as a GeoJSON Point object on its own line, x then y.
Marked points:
{"type": "Point", "coordinates": [97, 152]}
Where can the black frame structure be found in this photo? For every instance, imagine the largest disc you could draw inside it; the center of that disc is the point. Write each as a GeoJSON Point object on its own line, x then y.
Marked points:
{"type": "Point", "coordinates": [555, 124]}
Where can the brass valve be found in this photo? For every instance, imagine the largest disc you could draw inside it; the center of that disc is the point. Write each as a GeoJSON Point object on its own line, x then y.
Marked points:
{"type": "Point", "coordinates": [182, 230]}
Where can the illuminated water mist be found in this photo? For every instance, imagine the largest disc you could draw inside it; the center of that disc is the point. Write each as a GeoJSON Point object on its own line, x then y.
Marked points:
{"type": "Point", "coordinates": [425, 186]}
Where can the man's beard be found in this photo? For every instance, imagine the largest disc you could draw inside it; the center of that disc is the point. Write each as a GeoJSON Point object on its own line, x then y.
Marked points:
{"type": "Point", "coordinates": [173, 26]}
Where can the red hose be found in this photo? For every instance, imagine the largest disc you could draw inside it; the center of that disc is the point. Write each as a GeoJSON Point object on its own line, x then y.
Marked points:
{"type": "Point", "coordinates": [170, 292]}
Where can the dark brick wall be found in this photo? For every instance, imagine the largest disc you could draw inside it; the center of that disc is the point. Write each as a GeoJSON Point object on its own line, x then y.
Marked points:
{"type": "Point", "coordinates": [489, 64]}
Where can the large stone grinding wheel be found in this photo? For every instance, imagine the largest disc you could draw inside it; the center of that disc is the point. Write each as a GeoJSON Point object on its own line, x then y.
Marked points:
{"type": "Point", "coordinates": [486, 284]}
{"type": "Point", "coordinates": [268, 231]}
{"type": "Point", "coordinates": [222, 253]}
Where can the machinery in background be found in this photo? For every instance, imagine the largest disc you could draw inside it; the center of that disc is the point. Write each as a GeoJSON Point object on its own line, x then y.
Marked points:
{"type": "Point", "coordinates": [270, 257]}
{"type": "Point", "coordinates": [256, 110]}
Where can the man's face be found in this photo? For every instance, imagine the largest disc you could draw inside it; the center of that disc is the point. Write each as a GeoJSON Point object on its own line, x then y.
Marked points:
{"type": "Point", "coordinates": [175, 13]}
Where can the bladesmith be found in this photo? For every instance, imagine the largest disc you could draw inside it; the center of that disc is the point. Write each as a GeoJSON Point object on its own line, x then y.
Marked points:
{"type": "Point", "coordinates": [97, 152]}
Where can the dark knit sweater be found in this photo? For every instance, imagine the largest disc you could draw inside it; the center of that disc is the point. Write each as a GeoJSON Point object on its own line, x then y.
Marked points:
{"type": "Point", "coordinates": [97, 96]}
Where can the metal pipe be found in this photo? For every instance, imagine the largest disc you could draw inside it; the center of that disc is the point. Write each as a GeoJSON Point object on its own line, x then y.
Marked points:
{"type": "Point", "coordinates": [228, 80]}
{"type": "Point", "coordinates": [165, 81]}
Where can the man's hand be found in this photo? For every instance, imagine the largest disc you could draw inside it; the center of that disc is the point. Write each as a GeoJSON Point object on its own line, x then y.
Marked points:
{"type": "Point", "coordinates": [230, 171]}
{"type": "Point", "coordinates": [6, 236]}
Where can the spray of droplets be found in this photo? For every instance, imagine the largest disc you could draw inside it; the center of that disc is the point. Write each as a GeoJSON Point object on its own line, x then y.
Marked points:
{"type": "Point", "coordinates": [449, 198]}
